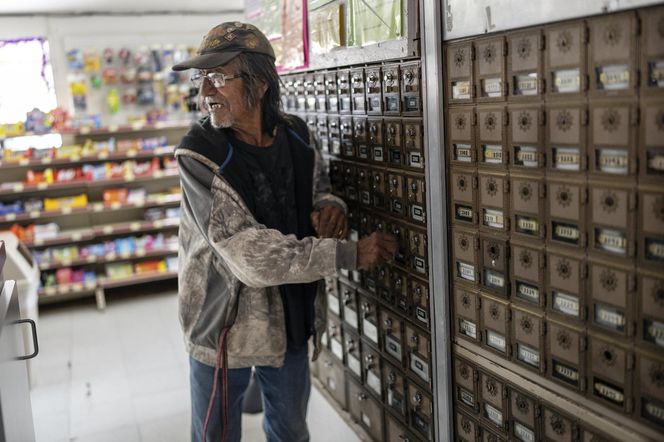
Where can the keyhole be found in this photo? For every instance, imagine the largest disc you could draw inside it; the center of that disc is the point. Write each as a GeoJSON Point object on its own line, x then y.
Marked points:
{"type": "Point", "coordinates": [608, 355]}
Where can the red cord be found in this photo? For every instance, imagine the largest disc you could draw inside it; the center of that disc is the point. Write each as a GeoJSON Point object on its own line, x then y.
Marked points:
{"type": "Point", "coordinates": [221, 351]}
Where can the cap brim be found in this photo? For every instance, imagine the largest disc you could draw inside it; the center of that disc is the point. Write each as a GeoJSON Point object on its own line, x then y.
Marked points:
{"type": "Point", "coordinates": [207, 61]}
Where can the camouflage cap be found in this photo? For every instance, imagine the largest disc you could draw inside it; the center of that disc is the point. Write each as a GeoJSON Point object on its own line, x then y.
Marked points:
{"type": "Point", "coordinates": [225, 42]}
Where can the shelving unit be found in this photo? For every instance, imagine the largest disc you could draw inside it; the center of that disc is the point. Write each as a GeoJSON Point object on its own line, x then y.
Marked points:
{"type": "Point", "coordinates": [98, 222]}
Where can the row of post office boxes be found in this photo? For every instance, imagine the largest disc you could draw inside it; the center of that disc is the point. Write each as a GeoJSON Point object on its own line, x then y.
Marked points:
{"type": "Point", "coordinates": [403, 342]}
{"type": "Point", "coordinates": [606, 296]}
{"type": "Point", "coordinates": [400, 290]}
{"type": "Point", "coordinates": [394, 142]}
{"type": "Point", "coordinates": [413, 243]}
{"type": "Point", "coordinates": [587, 361]}
{"type": "Point", "coordinates": [508, 409]}
{"type": "Point", "coordinates": [605, 56]}
{"type": "Point", "coordinates": [410, 407]}
{"type": "Point", "coordinates": [609, 138]}
{"type": "Point", "coordinates": [400, 194]}
{"type": "Point", "coordinates": [618, 220]}
{"type": "Point", "coordinates": [390, 89]}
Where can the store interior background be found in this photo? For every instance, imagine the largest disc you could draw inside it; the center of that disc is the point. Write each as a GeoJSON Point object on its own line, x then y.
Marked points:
{"type": "Point", "coordinates": [122, 374]}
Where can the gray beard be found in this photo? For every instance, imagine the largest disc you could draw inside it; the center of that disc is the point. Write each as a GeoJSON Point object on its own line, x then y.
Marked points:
{"type": "Point", "coordinates": [223, 124]}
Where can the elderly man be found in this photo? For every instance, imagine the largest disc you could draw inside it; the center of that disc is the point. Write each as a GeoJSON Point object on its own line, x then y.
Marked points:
{"type": "Point", "coordinates": [259, 230]}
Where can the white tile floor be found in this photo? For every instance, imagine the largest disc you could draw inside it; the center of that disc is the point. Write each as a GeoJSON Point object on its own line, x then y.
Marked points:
{"type": "Point", "coordinates": [122, 375]}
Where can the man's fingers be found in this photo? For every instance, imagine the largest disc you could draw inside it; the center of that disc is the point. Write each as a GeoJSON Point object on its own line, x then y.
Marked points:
{"type": "Point", "coordinates": [325, 221]}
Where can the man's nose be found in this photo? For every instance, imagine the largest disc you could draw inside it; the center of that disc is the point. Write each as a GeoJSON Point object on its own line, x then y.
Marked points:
{"type": "Point", "coordinates": [207, 88]}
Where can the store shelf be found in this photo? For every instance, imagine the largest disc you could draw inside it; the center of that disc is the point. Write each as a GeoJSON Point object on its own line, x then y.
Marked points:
{"type": "Point", "coordinates": [67, 289]}
{"type": "Point", "coordinates": [108, 258]}
{"type": "Point", "coordinates": [108, 130]}
{"type": "Point", "coordinates": [137, 278]}
{"type": "Point", "coordinates": [91, 158]}
{"type": "Point", "coordinates": [91, 208]}
{"type": "Point", "coordinates": [78, 185]}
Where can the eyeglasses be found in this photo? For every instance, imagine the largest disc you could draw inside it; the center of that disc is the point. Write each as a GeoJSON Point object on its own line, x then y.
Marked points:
{"type": "Point", "coordinates": [216, 79]}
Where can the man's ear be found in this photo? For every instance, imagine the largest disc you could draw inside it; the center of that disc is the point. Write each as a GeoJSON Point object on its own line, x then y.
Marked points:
{"type": "Point", "coordinates": [263, 88]}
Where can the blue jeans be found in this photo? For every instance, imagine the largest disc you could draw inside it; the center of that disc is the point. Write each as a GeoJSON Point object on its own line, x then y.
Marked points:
{"type": "Point", "coordinates": [285, 396]}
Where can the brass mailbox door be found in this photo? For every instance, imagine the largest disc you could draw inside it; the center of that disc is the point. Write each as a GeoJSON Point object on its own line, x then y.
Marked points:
{"type": "Point", "coordinates": [374, 90]}
{"type": "Point", "coordinates": [612, 219]}
{"type": "Point", "coordinates": [394, 142]}
{"type": "Point", "coordinates": [419, 353]}
{"type": "Point", "coordinates": [419, 298]}
{"type": "Point", "coordinates": [413, 143]}
{"type": "Point", "coordinates": [467, 430]}
{"type": "Point", "coordinates": [613, 135]}
{"type": "Point", "coordinates": [379, 189]}
{"type": "Point", "coordinates": [419, 261]}
{"type": "Point", "coordinates": [309, 93]}
{"type": "Point", "coordinates": [399, 288]}
{"type": "Point", "coordinates": [651, 150]}
{"type": "Point", "coordinates": [652, 51]}
{"type": "Point", "coordinates": [392, 336]}
{"type": "Point", "coordinates": [557, 426]}
{"type": "Point", "coordinates": [528, 205]}
{"type": "Point", "coordinates": [567, 285]}
{"type": "Point", "coordinates": [364, 176]}
{"type": "Point", "coordinates": [421, 411]}
{"type": "Point", "coordinates": [463, 190]}
{"type": "Point", "coordinates": [300, 98]}
{"type": "Point", "coordinates": [411, 89]}
{"type": "Point", "coordinates": [466, 258]}
{"type": "Point", "coordinates": [459, 82]}
{"type": "Point", "coordinates": [461, 129]}
{"type": "Point", "coordinates": [402, 234]}
{"type": "Point", "coordinates": [344, 91]}
{"type": "Point", "coordinates": [361, 139]}
{"type": "Point", "coordinates": [391, 90]}
{"type": "Point", "coordinates": [365, 410]}
{"type": "Point", "coordinates": [495, 325]}
{"type": "Point", "coordinates": [651, 308]}
{"type": "Point", "coordinates": [467, 314]}
{"type": "Point", "coordinates": [352, 354]}
{"type": "Point", "coordinates": [346, 135]}
{"type": "Point", "coordinates": [332, 375]}
{"type": "Point", "coordinates": [649, 389]}
{"type": "Point", "coordinates": [397, 192]}
{"type": "Point", "coordinates": [371, 372]}
{"type": "Point", "coordinates": [565, 60]}
{"type": "Point", "coordinates": [525, 65]}
{"type": "Point", "coordinates": [528, 273]}
{"type": "Point", "coordinates": [376, 130]}
{"type": "Point", "coordinates": [350, 181]}
{"type": "Point", "coordinates": [395, 389]}
{"type": "Point", "coordinates": [395, 431]}
{"type": "Point", "coordinates": [494, 405]}
{"type": "Point", "coordinates": [567, 137]}
{"type": "Point", "coordinates": [651, 227]}
{"type": "Point", "coordinates": [525, 137]}
{"type": "Point", "coordinates": [524, 412]}
{"type": "Point", "coordinates": [358, 91]}
{"type": "Point", "coordinates": [566, 346]}
{"type": "Point", "coordinates": [321, 130]}
{"type": "Point", "coordinates": [613, 54]}
{"type": "Point", "coordinates": [612, 297]}
{"type": "Point", "coordinates": [290, 104]}
{"type": "Point", "coordinates": [610, 370]}
{"type": "Point", "coordinates": [334, 134]}
{"type": "Point", "coordinates": [337, 177]}
{"type": "Point", "coordinates": [490, 69]}
{"type": "Point", "coordinates": [495, 256]}
{"type": "Point", "coordinates": [349, 301]}
{"type": "Point", "coordinates": [416, 191]}
{"type": "Point", "coordinates": [369, 311]}
{"type": "Point", "coordinates": [567, 212]}
{"type": "Point", "coordinates": [494, 191]}
{"type": "Point", "coordinates": [528, 334]}
{"type": "Point", "coordinates": [465, 390]}
{"type": "Point", "coordinates": [492, 136]}
{"type": "Point", "coordinates": [319, 90]}
{"type": "Point", "coordinates": [331, 92]}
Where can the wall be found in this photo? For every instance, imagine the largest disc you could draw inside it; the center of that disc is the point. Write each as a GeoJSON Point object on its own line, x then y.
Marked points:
{"type": "Point", "coordinates": [99, 31]}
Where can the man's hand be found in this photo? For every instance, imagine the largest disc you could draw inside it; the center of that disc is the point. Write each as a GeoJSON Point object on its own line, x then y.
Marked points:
{"type": "Point", "coordinates": [376, 249]}
{"type": "Point", "coordinates": [330, 222]}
